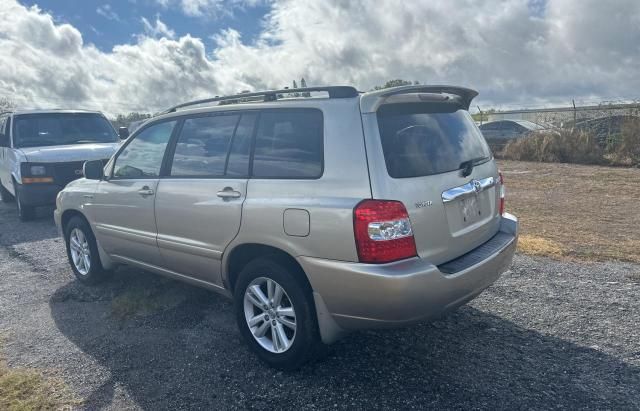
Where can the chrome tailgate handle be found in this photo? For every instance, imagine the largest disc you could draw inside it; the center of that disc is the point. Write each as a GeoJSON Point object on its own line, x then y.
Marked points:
{"type": "Point", "coordinates": [465, 190]}
{"type": "Point", "coordinates": [228, 193]}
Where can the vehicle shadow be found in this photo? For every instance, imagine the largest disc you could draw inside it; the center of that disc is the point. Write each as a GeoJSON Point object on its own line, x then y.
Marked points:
{"type": "Point", "coordinates": [188, 354]}
{"type": "Point", "coordinates": [13, 231]}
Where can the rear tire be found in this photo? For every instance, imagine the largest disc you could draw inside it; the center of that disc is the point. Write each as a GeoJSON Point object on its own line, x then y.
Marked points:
{"type": "Point", "coordinates": [287, 314]}
{"type": "Point", "coordinates": [25, 212]}
{"type": "Point", "coordinates": [82, 251]}
{"type": "Point", "coordinates": [5, 195]}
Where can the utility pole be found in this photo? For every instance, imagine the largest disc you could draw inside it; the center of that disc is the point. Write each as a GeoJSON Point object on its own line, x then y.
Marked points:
{"type": "Point", "coordinates": [480, 114]}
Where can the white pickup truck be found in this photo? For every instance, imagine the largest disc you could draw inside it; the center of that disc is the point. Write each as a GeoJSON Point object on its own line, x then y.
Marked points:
{"type": "Point", "coordinates": [41, 151]}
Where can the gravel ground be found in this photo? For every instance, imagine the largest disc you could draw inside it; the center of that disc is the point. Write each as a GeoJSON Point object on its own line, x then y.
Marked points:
{"type": "Point", "coordinates": [548, 334]}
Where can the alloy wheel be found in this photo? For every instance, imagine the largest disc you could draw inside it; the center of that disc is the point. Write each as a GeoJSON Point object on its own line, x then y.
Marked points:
{"type": "Point", "coordinates": [270, 315]}
{"type": "Point", "coordinates": [80, 251]}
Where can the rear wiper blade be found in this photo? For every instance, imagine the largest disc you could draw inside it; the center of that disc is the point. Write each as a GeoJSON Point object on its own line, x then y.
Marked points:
{"type": "Point", "coordinates": [467, 166]}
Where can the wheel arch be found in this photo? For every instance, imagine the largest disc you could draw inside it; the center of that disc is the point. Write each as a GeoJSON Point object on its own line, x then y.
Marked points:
{"type": "Point", "coordinates": [239, 256]}
{"type": "Point", "coordinates": [66, 216]}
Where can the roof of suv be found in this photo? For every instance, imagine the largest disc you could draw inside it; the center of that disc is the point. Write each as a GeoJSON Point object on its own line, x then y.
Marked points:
{"type": "Point", "coordinates": [50, 111]}
{"type": "Point", "coordinates": [369, 101]}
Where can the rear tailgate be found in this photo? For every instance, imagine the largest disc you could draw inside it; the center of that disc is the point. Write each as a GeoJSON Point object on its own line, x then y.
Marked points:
{"type": "Point", "coordinates": [418, 145]}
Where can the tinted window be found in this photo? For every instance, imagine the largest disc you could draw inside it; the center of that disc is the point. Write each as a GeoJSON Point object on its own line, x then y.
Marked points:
{"type": "Point", "coordinates": [238, 165]}
{"type": "Point", "coordinates": [289, 144]}
{"type": "Point", "coordinates": [203, 144]}
{"type": "Point", "coordinates": [32, 130]}
{"type": "Point", "coordinates": [143, 156]}
{"type": "Point", "coordinates": [420, 142]}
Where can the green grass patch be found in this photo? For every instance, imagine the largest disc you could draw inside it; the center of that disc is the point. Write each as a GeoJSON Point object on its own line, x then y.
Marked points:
{"type": "Point", "coordinates": [141, 301]}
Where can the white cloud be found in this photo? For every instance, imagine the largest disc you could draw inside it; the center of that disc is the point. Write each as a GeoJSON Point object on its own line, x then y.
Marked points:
{"type": "Point", "coordinates": [107, 12]}
{"type": "Point", "coordinates": [583, 49]}
{"type": "Point", "coordinates": [159, 29]}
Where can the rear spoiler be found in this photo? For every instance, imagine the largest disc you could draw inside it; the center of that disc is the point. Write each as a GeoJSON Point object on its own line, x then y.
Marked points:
{"type": "Point", "coordinates": [370, 102]}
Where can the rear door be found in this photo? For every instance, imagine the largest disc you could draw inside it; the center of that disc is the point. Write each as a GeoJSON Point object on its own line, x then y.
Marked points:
{"type": "Point", "coordinates": [199, 201]}
{"type": "Point", "coordinates": [433, 158]}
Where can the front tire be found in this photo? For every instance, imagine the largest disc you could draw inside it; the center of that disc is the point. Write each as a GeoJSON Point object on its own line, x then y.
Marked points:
{"type": "Point", "coordinates": [5, 195]}
{"type": "Point", "coordinates": [82, 251]}
{"type": "Point", "coordinates": [275, 314]}
{"type": "Point", "coordinates": [25, 212]}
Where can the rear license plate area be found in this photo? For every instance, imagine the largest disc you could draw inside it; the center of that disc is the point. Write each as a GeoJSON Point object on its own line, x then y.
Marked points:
{"type": "Point", "coordinates": [470, 209]}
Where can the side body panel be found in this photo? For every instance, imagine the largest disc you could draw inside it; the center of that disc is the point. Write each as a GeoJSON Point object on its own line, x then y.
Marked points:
{"type": "Point", "coordinates": [329, 200]}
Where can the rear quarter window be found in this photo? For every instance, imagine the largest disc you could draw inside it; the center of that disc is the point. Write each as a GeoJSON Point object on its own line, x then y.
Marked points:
{"type": "Point", "coordinates": [289, 144]}
{"type": "Point", "coordinates": [421, 140]}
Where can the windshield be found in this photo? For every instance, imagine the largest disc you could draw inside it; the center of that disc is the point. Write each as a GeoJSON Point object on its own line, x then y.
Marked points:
{"type": "Point", "coordinates": [56, 129]}
{"type": "Point", "coordinates": [419, 142]}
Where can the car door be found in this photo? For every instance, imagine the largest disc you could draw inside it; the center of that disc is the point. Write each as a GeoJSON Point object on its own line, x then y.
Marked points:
{"type": "Point", "coordinates": [199, 201]}
{"type": "Point", "coordinates": [122, 207]}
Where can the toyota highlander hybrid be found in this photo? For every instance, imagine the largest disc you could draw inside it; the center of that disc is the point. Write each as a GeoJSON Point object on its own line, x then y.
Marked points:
{"type": "Point", "coordinates": [318, 211]}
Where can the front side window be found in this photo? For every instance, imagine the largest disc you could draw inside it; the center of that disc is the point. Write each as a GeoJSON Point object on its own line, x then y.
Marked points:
{"type": "Point", "coordinates": [142, 157]}
{"type": "Point", "coordinates": [203, 145]}
{"type": "Point", "coordinates": [289, 144]}
{"type": "Point", "coordinates": [55, 129]}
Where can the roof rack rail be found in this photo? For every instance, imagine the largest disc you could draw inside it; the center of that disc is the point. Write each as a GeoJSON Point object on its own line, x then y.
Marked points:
{"type": "Point", "coordinates": [272, 95]}
{"type": "Point", "coordinates": [5, 112]}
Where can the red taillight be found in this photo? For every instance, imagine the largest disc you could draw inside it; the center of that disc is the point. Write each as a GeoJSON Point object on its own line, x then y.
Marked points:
{"type": "Point", "coordinates": [383, 231]}
{"type": "Point", "coordinates": [501, 193]}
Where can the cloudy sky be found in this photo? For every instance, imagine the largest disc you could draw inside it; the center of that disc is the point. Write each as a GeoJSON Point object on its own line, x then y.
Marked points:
{"type": "Point", "coordinates": [145, 55]}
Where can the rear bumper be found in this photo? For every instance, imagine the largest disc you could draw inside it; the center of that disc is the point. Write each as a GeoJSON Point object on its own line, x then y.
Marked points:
{"type": "Point", "coordinates": [354, 296]}
{"type": "Point", "coordinates": [34, 195]}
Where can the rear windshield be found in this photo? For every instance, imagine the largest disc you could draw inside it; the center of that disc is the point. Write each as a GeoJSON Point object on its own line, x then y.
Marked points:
{"type": "Point", "coordinates": [421, 140]}
{"type": "Point", "coordinates": [33, 130]}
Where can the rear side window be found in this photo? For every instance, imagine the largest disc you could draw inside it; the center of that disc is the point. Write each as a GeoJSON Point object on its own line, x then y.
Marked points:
{"type": "Point", "coordinates": [203, 144]}
{"type": "Point", "coordinates": [421, 140]}
{"type": "Point", "coordinates": [289, 144]}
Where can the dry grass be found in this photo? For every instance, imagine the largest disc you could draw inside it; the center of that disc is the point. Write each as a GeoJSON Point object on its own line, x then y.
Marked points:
{"type": "Point", "coordinates": [23, 389]}
{"type": "Point", "coordinates": [565, 146]}
{"type": "Point", "coordinates": [589, 212]}
{"type": "Point", "coordinates": [532, 245]}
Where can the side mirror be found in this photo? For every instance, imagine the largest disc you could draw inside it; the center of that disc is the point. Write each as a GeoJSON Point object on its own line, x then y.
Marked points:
{"type": "Point", "coordinates": [123, 132]}
{"type": "Point", "coordinates": [4, 140]}
{"type": "Point", "coordinates": [93, 170]}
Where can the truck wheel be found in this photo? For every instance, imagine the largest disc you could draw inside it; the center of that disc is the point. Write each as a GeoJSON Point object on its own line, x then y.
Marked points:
{"type": "Point", "coordinates": [25, 212]}
{"type": "Point", "coordinates": [5, 195]}
{"type": "Point", "coordinates": [276, 315]}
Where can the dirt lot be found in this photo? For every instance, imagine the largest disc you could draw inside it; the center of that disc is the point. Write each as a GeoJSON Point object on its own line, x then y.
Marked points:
{"type": "Point", "coordinates": [583, 212]}
{"type": "Point", "coordinates": [551, 333]}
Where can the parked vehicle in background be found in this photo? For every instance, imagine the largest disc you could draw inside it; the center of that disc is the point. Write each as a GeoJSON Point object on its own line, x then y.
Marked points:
{"type": "Point", "coordinates": [43, 150]}
{"type": "Point", "coordinates": [498, 133]}
{"type": "Point", "coordinates": [318, 215]}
